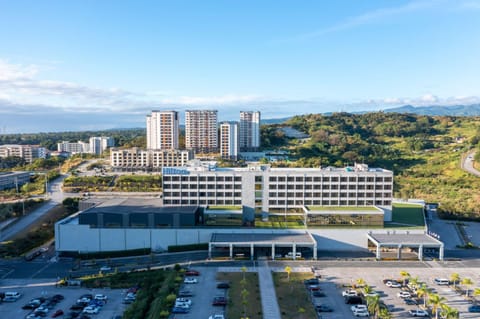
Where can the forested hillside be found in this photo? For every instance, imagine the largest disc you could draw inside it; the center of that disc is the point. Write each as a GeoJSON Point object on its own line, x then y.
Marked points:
{"type": "Point", "coordinates": [423, 151]}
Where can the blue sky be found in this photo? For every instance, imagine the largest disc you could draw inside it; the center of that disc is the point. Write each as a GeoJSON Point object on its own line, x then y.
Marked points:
{"type": "Point", "coordinates": [105, 64]}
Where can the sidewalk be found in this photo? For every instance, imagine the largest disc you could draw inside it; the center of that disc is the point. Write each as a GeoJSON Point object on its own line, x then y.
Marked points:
{"type": "Point", "coordinates": [270, 307]}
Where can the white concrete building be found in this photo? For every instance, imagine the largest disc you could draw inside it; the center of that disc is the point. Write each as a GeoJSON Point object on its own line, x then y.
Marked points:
{"type": "Point", "coordinates": [140, 159]}
{"type": "Point", "coordinates": [229, 140]}
{"type": "Point", "coordinates": [261, 189]}
{"type": "Point", "coordinates": [162, 130]}
{"type": "Point", "coordinates": [28, 152]}
{"type": "Point", "coordinates": [10, 180]}
{"type": "Point", "coordinates": [73, 148]}
{"type": "Point", "coordinates": [201, 131]}
{"type": "Point", "coordinates": [97, 145]}
{"type": "Point", "coordinates": [249, 130]}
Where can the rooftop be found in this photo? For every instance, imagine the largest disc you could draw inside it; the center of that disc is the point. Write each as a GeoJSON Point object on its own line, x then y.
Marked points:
{"type": "Point", "coordinates": [287, 238]}
{"type": "Point", "coordinates": [394, 238]}
{"type": "Point", "coordinates": [138, 205]}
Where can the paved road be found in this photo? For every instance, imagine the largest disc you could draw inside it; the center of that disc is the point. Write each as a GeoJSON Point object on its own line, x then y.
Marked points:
{"type": "Point", "coordinates": [55, 197]}
{"type": "Point", "coordinates": [467, 164]}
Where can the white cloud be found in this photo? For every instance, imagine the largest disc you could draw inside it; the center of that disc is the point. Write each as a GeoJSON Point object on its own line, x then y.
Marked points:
{"type": "Point", "coordinates": [14, 72]}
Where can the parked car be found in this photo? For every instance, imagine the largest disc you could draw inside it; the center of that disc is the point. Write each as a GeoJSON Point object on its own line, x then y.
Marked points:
{"type": "Point", "coordinates": [313, 287]}
{"type": "Point", "coordinates": [101, 297]}
{"type": "Point", "coordinates": [91, 310]}
{"type": "Point", "coordinates": [404, 294]}
{"type": "Point", "coordinates": [353, 300]}
{"type": "Point", "coordinates": [223, 285]}
{"type": "Point", "coordinates": [358, 307]}
{"type": "Point", "coordinates": [185, 293]}
{"type": "Point", "coordinates": [418, 313]}
{"type": "Point", "coordinates": [189, 280]}
{"type": "Point", "coordinates": [410, 301]}
{"type": "Point", "coordinates": [217, 316]}
{"type": "Point", "coordinates": [311, 281]}
{"type": "Point", "coordinates": [474, 308]}
{"type": "Point", "coordinates": [219, 301]}
{"type": "Point", "coordinates": [180, 310]}
{"type": "Point", "coordinates": [318, 294]}
{"type": "Point", "coordinates": [184, 300]}
{"type": "Point", "coordinates": [57, 313]}
{"type": "Point", "coordinates": [361, 313]}
{"type": "Point", "coordinates": [105, 268]}
{"type": "Point", "coordinates": [349, 293]}
{"type": "Point", "coordinates": [393, 284]}
{"type": "Point", "coordinates": [191, 272]}
{"type": "Point", "coordinates": [323, 308]}
{"type": "Point", "coordinates": [181, 305]}
{"type": "Point", "coordinates": [442, 281]}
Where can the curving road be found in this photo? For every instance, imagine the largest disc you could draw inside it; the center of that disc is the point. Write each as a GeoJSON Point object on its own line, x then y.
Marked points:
{"type": "Point", "coordinates": [467, 164]}
{"type": "Point", "coordinates": [54, 197]}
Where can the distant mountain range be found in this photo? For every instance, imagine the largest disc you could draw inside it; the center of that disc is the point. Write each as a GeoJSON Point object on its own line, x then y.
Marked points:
{"type": "Point", "coordinates": [453, 110]}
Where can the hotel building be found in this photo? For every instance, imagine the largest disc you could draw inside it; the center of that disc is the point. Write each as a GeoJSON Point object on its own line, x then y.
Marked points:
{"type": "Point", "coordinates": [229, 138]}
{"type": "Point", "coordinates": [140, 159]}
{"type": "Point", "coordinates": [249, 130]}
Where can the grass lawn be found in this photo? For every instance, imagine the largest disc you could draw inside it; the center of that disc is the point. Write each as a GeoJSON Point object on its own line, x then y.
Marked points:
{"type": "Point", "coordinates": [292, 296]}
{"type": "Point", "coordinates": [408, 214]}
{"type": "Point", "coordinates": [235, 306]}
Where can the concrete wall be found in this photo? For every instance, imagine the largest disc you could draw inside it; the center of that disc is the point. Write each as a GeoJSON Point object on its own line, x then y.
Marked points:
{"type": "Point", "coordinates": [74, 237]}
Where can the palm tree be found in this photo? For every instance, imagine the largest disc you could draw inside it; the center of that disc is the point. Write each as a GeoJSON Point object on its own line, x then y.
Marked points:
{"type": "Point", "coordinates": [449, 312]}
{"type": "Point", "coordinates": [288, 269]}
{"type": "Point", "coordinates": [455, 278]}
{"type": "Point", "coordinates": [367, 290]}
{"type": "Point", "coordinates": [414, 281]}
{"type": "Point", "coordinates": [404, 275]}
{"type": "Point", "coordinates": [385, 314]}
{"type": "Point", "coordinates": [373, 304]}
{"type": "Point", "coordinates": [424, 292]}
{"type": "Point", "coordinates": [436, 301]}
{"type": "Point", "coordinates": [360, 282]}
{"type": "Point", "coordinates": [476, 291]}
{"type": "Point", "coordinates": [244, 270]}
{"type": "Point", "coordinates": [467, 282]}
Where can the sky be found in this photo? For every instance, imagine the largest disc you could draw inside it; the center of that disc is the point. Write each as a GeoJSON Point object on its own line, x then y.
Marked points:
{"type": "Point", "coordinates": [83, 65]}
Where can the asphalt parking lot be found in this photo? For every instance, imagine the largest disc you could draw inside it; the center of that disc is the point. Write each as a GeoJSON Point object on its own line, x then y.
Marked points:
{"type": "Point", "coordinates": [30, 291]}
{"type": "Point", "coordinates": [203, 293]}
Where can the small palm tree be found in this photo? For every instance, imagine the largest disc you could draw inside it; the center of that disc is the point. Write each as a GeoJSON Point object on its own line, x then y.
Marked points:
{"type": "Point", "coordinates": [288, 270]}
{"type": "Point", "coordinates": [405, 275]}
{"type": "Point", "coordinates": [467, 282]}
{"type": "Point", "coordinates": [476, 292]}
{"type": "Point", "coordinates": [367, 290]}
{"type": "Point", "coordinates": [244, 270]}
{"type": "Point", "coordinates": [436, 301]}
{"type": "Point", "coordinates": [455, 278]}
{"type": "Point", "coordinates": [361, 282]}
{"type": "Point", "coordinates": [414, 281]}
{"type": "Point", "coordinates": [423, 292]}
{"type": "Point", "coordinates": [449, 312]}
{"type": "Point", "coordinates": [385, 314]}
{"type": "Point", "coordinates": [373, 304]}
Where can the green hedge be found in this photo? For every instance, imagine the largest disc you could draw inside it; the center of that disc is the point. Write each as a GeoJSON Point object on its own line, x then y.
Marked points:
{"type": "Point", "coordinates": [178, 248]}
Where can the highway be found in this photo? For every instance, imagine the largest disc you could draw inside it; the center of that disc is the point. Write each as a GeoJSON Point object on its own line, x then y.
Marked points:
{"type": "Point", "coordinates": [467, 164]}
{"type": "Point", "coordinates": [54, 197]}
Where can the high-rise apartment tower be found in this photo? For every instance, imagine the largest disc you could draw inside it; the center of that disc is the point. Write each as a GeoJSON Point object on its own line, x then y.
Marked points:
{"type": "Point", "coordinates": [201, 131]}
{"type": "Point", "coordinates": [162, 130]}
{"type": "Point", "coordinates": [249, 130]}
{"type": "Point", "coordinates": [229, 147]}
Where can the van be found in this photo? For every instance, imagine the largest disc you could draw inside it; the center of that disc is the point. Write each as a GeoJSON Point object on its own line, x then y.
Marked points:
{"type": "Point", "coordinates": [290, 255]}
{"type": "Point", "coordinates": [442, 281]}
{"type": "Point", "coordinates": [12, 295]}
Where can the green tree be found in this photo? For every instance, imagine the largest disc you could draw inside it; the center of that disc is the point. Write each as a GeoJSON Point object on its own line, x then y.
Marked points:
{"type": "Point", "coordinates": [467, 282]}
{"type": "Point", "coordinates": [436, 301]}
{"type": "Point", "coordinates": [423, 292]}
{"type": "Point", "coordinates": [374, 305]}
{"type": "Point", "coordinates": [405, 275]}
{"type": "Point", "coordinates": [455, 279]}
{"type": "Point", "coordinates": [448, 312]}
{"type": "Point", "coordinates": [385, 314]}
{"type": "Point", "coordinates": [288, 270]}
{"type": "Point", "coordinates": [360, 282]}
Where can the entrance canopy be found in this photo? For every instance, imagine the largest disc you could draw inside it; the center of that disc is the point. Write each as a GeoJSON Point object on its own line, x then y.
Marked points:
{"type": "Point", "coordinates": [270, 240]}
{"type": "Point", "coordinates": [405, 240]}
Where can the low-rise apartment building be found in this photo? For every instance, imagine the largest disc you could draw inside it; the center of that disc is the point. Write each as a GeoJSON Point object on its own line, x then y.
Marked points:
{"type": "Point", "coordinates": [9, 180]}
{"type": "Point", "coordinates": [141, 159]}
{"type": "Point", "coordinates": [28, 152]}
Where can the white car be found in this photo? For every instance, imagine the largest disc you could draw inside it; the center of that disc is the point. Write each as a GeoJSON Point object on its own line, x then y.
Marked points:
{"type": "Point", "coordinates": [349, 293]}
{"type": "Point", "coordinates": [418, 313]}
{"type": "Point", "coordinates": [101, 297]}
{"type": "Point", "coordinates": [90, 310]}
{"type": "Point", "coordinates": [184, 300]}
{"type": "Point", "coordinates": [393, 284]}
{"type": "Point", "coordinates": [182, 305]}
{"type": "Point", "coordinates": [190, 281]}
{"type": "Point", "coordinates": [358, 308]}
{"type": "Point", "coordinates": [372, 294]}
{"type": "Point", "coordinates": [404, 294]}
{"type": "Point", "coordinates": [361, 313]}
{"type": "Point", "coordinates": [105, 268]}
{"type": "Point", "coordinates": [216, 317]}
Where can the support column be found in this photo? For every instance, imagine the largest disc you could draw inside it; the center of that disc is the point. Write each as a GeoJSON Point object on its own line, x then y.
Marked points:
{"type": "Point", "coordinates": [273, 251]}
{"type": "Point", "coordinates": [315, 251]}
{"type": "Point", "coordinates": [252, 251]}
{"type": "Point", "coordinates": [231, 250]}
{"type": "Point", "coordinates": [294, 251]}
{"type": "Point", "coordinates": [441, 252]}
{"type": "Point", "coordinates": [209, 250]}
{"type": "Point", "coordinates": [379, 252]}
{"type": "Point", "coordinates": [399, 252]}
{"type": "Point", "coordinates": [420, 252]}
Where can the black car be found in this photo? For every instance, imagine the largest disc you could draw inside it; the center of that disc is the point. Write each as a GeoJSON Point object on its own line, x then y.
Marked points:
{"type": "Point", "coordinates": [223, 285]}
{"type": "Point", "coordinates": [185, 293]}
{"type": "Point", "coordinates": [410, 301]}
{"type": "Point", "coordinates": [318, 294]}
{"type": "Point", "coordinates": [323, 308]}
{"type": "Point", "coordinates": [353, 300]}
{"type": "Point", "coordinates": [311, 281]}
{"type": "Point", "coordinates": [77, 307]}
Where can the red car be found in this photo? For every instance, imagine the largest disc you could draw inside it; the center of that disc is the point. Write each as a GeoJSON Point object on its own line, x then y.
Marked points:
{"type": "Point", "coordinates": [219, 301]}
{"type": "Point", "coordinates": [192, 272]}
{"type": "Point", "coordinates": [57, 313]}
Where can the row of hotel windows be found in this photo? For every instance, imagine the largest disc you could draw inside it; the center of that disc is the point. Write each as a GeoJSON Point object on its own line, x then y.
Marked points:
{"type": "Point", "coordinates": [298, 202]}
{"type": "Point", "coordinates": [202, 186]}
{"type": "Point", "coordinates": [202, 194]}
{"type": "Point", "coordinates": [280, 195]}
{"type": "Point", "coordinates": [176, 178]}
{"type": "Point", "coordinates": [352, 179]}
{"type": "Point", "coordinates": [329, 186]}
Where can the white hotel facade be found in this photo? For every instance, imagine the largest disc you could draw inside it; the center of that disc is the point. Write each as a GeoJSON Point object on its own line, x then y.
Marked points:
{"type": "Point", "coordinates": [262, 189]}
